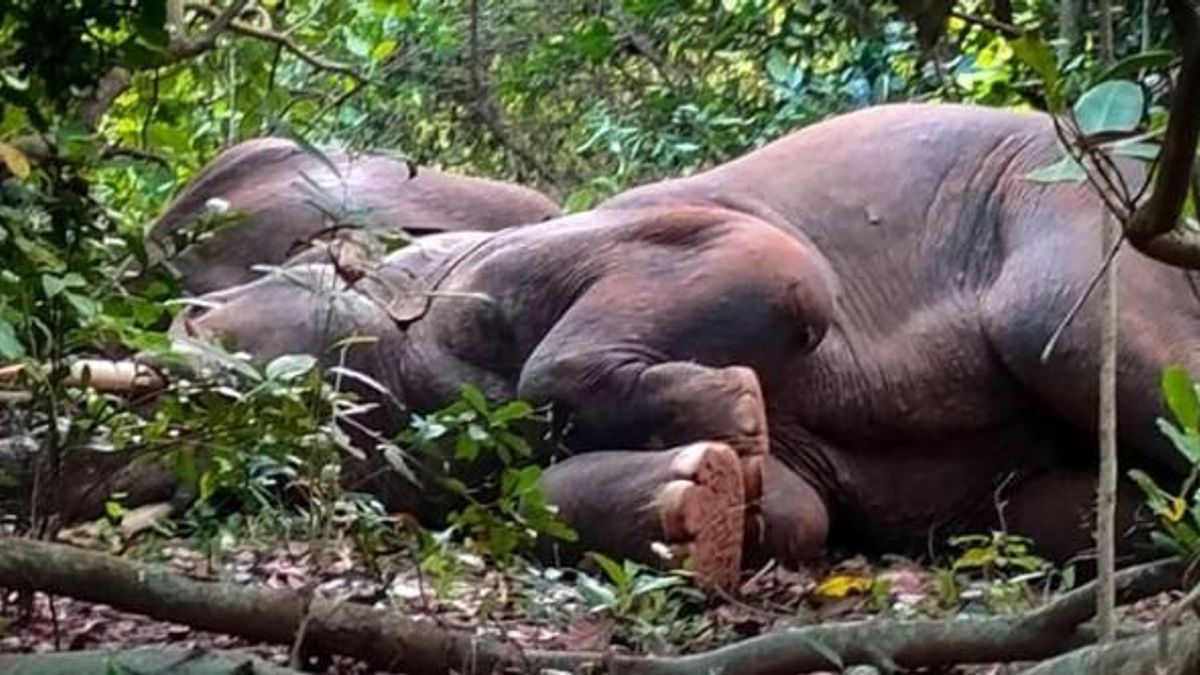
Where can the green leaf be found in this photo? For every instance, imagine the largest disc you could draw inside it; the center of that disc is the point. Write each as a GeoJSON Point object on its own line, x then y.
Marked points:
{"type": "Point", "coordinates": [778, 67]}
{"type": "Point", "coordinates": [83, 305]}
{"type": "Point", "coordinates": [53, 285]}
{"type": "Point", "coordinates": [1180, 393]}
{"type": "Point", "coordinates": [594, 40]}
{"type": "Point", "coordinates": [651, 583]}
{"type": "Point", "coordinates": [113, 510]}
{"type": "Point", "coordinates": [612, 569]}
{"type": "Point", "coordinates": [10, 346]}
{"type": "Point", "coordinates": [208, 485]}
{"type": "Point", "coordinates": [289, 366]}
{"type": "Point", "coordinates": [1131, 65]}
{"type": "Point", "coordinates": [466, 448]}
{"type": "Point", "coordinates": [1112, 106]}
{"type": "Point", "coordinates": [1157, 499]}
{"type": "Point", "coordinates": [513, 410]}
{"type": "Point", "coordinates": [598, 596]}
{"type": "Point", "coordinates": [975, 558]}
{"type": "Point", "coordinates": [1135, 149]}
{"type": "Point", "coordinates": [383, 49]}
{"type": "Point", "coordinates": [474, 397]}
{"type": "Point", "coordinates": [1035, 53]}
{"type": "Point", "coordinates": [1065, 170]}
{"type": "Point", "coordinates": [1188, 444]}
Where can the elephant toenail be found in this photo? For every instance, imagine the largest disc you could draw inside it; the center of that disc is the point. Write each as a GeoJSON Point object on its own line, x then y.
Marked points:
{"type": "Point", "coordinates": [746, 414]}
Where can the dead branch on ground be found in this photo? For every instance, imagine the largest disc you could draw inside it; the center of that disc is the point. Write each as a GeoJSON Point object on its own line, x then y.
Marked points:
{"type": "Point", "coordinates": [143, 660]}
{"type": "Point", "coordinates": [387, 640]}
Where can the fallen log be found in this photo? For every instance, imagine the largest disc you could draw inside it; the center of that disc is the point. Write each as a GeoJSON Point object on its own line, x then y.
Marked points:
{"type": "Point", "coordinates": [1131, 656]}
{"type": "Point", "coordinates": [390, 642]}
{"type": "Point", "coordinates": [383, 639]}
{"type": "Point", "coordinates": [175, 660]}
{"type": "Point", "coordinates": [1042, 633]}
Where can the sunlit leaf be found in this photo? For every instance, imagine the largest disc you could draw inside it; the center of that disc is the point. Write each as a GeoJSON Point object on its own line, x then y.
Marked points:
{"type": "Point", "coordinates": [383, 49]}
{"type": "Point", "coordinates": [15, 160]}
{"type": "Point", "coordinates": [1180, 393]}
{"type": "Point", "coordinates": [842, 584]}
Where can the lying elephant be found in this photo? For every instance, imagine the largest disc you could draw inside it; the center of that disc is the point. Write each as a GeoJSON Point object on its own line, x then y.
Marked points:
{"type": "Point", "coordinates": [280, 196]}
{"type": "Point", "coordinates": [834, 339]}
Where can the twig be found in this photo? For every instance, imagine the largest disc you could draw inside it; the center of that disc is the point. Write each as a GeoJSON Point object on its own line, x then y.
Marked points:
{"type": "Point", "coordinates": [135, 153]}
{"type": "Point", "coordinates": [1005, 29]}
{"type": "Point", "coordinates": [1079, 302]}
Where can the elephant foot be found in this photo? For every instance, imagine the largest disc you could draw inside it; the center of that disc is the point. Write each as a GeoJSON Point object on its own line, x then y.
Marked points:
{"type": "Point", "coordinates": [691, 498]}
{"type": "Point", "coordinates": [702, 511]}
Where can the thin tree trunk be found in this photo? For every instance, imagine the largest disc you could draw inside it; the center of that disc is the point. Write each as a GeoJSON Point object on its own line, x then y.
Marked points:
{"type": "Point", "coordinates": [1107, 49]}
{"type": "Point", "coordinates": [1068, 26]}
{"type": "Point", "coordinates": [1107, 486]}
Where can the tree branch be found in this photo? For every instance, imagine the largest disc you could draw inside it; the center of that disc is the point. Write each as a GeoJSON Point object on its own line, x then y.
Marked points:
{"type": "Point", "coordinates": [1153, 227]}
{"type": "Point", "coordinates": [484, 105]}
{"type": "Point", "coordinates": [284, 41]}
{"type": "Point", "coordinates": [183, 47]}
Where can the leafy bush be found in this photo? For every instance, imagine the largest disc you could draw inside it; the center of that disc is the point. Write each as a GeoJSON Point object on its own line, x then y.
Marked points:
{"type": "Point", "coordinates": [1178, 513]}
{"type": "Point", "coordinates": [651, 609]}
{"type": "Point", "coordinates": [490, 469]}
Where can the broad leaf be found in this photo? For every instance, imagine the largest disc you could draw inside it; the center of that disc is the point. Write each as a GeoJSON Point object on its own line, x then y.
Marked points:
{"type": "Point", "coordinates": [289, 367]}
{"type": "Point", "coordinates": [1180, 393]}
{"type": "Point", "coordinates": [1130, 65]}
{"type": "Point", "coordinates": [10, 346]}
{"type": "Point", "coordinates": [1035, 53]}
{"type": "Point", "coordinates": [1065, 170]}
{"type": "Point", "coordinates": [1135, 149]}
{"type": "Point", "coordinates": [1113, 106]}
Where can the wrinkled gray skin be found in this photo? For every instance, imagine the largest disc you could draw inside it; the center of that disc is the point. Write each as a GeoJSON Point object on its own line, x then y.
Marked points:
{"type": "Point", "coordinates": [283, 196]}
{"type": "Point", "coordinates": [888, 276]}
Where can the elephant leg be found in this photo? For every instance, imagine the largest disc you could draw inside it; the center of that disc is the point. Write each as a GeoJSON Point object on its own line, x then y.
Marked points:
{"type": "Point", "coordinates": [1056, 510]}
{"type": "Point", "coordinates": [689, 498]}
{"type": "Point", "coordinates": [795, 519]}
{"type": "Point", "coordinates": [660, 406]}
{"type": "Point", "coordinates": [1158, 325]}
{"type": "Point", "coordinates": [664, 406]}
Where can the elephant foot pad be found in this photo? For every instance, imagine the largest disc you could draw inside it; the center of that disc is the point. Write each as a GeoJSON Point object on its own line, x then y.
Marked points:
{"type": "Point", "coordinates": [703, 511]}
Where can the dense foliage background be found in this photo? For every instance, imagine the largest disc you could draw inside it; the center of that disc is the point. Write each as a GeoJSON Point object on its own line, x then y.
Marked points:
{"type": "Point", "coordinates": [108, 107]}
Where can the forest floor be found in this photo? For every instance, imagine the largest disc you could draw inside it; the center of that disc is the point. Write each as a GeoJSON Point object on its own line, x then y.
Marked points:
{"type": "Point", "coordinates": [533, 607]}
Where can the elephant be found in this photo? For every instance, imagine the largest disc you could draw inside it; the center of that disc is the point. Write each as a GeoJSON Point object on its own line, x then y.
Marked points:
{"type": "Point", "coordinates": [832, 341]}
{"type": "Point", "coordinates": [274, 197]}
